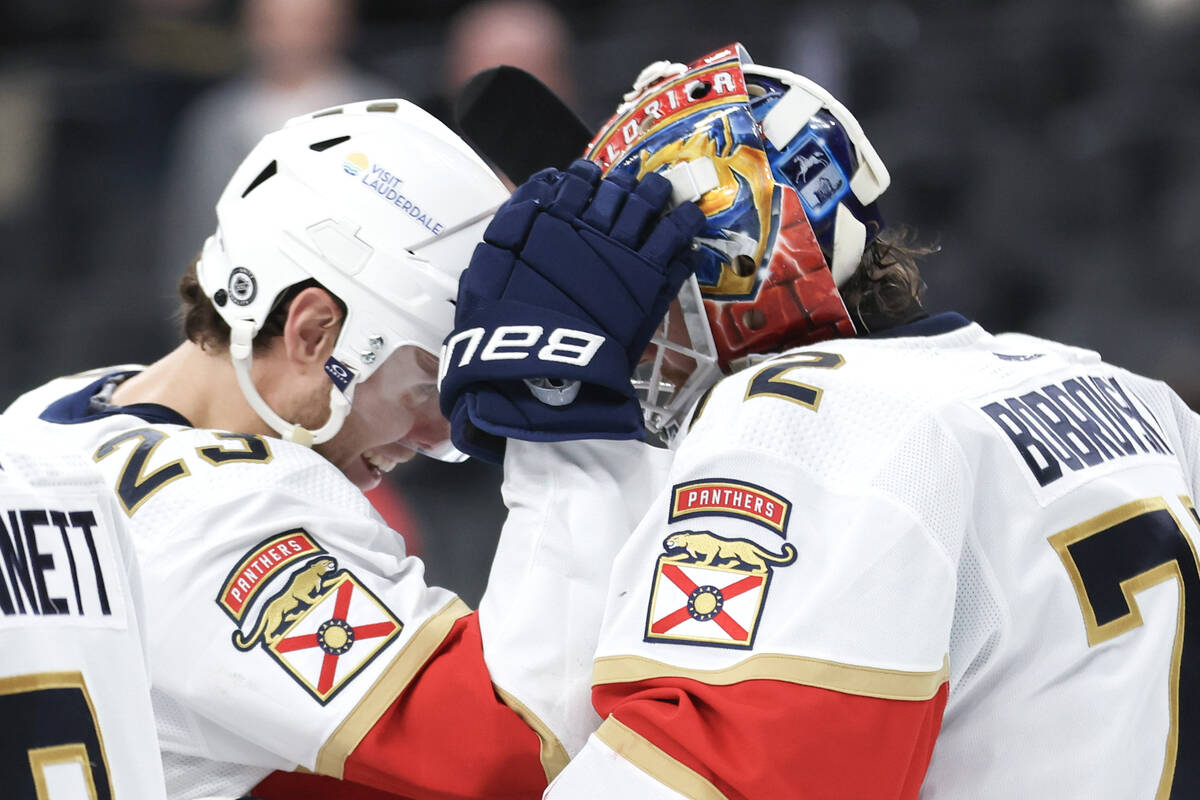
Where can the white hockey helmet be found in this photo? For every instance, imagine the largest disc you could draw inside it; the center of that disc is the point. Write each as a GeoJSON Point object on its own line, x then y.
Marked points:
{"type": "Point", "coordinates": [377, 201]}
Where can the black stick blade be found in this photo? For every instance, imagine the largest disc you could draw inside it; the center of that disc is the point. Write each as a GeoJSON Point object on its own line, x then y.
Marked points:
{"type": "Point", "coordinates": [515, 121]}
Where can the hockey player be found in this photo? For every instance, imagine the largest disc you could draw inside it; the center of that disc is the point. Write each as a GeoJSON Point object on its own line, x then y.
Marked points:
{"type": "Point", "coordinates": [74, 685]}
{"type": "Point", "coordinates": [896, 555]}
{"type": "Point", "coordinates": [286, 625]}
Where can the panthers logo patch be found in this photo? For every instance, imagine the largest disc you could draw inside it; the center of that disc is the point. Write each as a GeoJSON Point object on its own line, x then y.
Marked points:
{"type": "Point", "coordinates": [721, 497]}
{"type": "Point", "coordinates": [316, 620]}
{"type": "Point", "coordinates": [709, 590]}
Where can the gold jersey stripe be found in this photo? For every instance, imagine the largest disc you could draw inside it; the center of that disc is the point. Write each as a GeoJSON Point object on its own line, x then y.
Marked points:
{"type": "Point", "coordinates": [331, 759]}
{"type": "Point", "coordinates": [45, 680]}
{"type": "Point", "coordinates": [553, 755]}
{"type": "Point", "coordinates": [646, 756]}
{"type": "Point", "coordinates": [888, 684]}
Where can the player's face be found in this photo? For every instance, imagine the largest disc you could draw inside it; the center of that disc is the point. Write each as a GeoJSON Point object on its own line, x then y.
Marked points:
{"type": "Point", "coordinates": [395, 413]}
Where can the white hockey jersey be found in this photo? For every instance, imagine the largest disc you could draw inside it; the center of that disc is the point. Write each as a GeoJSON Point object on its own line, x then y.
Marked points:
{"type": "Point", "coordinates": [74, 683]}
{"type": "Point", "coordinates": [288, 628]}
{"type": "Point", "coordinates": [939, 563]}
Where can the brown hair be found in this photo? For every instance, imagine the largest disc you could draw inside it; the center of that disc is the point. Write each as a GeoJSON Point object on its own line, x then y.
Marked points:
{"type": "Point", "coordinates": [886, 288]}
{"type": "Point", "coordinates": [202, 325]}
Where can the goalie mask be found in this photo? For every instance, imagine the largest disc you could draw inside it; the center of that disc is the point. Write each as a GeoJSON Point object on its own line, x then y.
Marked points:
{"type": "Point", "coordinates": [378, 202]}
{"type": "Point", "coordinates": [787, 181]}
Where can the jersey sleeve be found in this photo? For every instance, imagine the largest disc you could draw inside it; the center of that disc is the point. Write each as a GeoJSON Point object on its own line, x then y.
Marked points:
{"type": "Point", "coordinates": [538, 624]}
{"type": "Point", "coordinates": [288, 628]}
{"type": "Point", "coordinates": [571, 506]}
{"type": "Point", "coordinates": [779, 623]}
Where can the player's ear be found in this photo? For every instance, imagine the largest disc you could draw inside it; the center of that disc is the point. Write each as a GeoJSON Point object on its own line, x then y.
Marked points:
{"type": "Point", "coordinates": [313, 323]}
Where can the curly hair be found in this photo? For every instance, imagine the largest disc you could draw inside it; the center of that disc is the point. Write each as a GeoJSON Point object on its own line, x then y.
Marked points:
{"type": "Point", "coordinates": [202, 325]}
{"type": "Point", "coordinates": [886, 288]}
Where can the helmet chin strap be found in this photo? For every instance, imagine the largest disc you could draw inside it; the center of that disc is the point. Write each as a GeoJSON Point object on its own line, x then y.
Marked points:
{"type": "Point", "coordinates": [241, 349]}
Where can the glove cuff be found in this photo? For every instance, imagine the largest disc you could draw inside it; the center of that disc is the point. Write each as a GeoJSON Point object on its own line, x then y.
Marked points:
{"type": "Point", "coordinates": [485, 415]}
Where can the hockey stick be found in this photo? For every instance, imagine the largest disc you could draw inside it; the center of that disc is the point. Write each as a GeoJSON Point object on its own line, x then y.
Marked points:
{"type": "Point", "coordinates": [515, 121]}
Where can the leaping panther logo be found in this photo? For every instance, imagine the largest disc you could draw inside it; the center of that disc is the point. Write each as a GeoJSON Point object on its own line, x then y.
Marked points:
{"type": "Point", "coordinates": [304, 589]}
{"type": "Point", "coordinates": [701, 547]}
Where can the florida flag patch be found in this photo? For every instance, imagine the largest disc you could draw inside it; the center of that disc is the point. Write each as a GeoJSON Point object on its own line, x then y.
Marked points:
{"type": "Point", "coordinates": [709, 590]}
{"type": "Point", "coordinates": [321, 625]}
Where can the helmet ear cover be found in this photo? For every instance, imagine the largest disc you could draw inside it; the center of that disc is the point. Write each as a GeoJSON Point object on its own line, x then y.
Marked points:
{"type": "Point", "coordinates": [788, 183]}
{"type": "Point", "coordinates": [376, 202]}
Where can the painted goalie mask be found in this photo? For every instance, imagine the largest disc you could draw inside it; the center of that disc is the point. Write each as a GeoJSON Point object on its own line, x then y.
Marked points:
{"type": "Point", "coordinates": [788, 183]}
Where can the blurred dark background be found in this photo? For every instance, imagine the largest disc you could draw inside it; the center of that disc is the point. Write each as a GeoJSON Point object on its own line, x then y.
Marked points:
{"type": "Point", "coordinates": [1049, 146]}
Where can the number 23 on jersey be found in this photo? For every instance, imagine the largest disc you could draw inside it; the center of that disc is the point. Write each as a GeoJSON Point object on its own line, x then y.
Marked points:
{"type": "Point", "coordinates": [140, 477]}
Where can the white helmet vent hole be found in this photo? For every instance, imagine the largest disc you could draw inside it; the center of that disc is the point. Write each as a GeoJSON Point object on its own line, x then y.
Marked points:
{"type": "Point", "coordinates": [321, 147]}
{"type": "Point", "coordinates": [698, 89]}
{"type": "Point", "coordinates": [268, 171]}
{"type": "Point", "coordinates": [754, 319]}
{"type": "Point", "coordinates": [329, 112]}
{"type": "Point", "coordinates": [390, 108]}
{"type": "Point", "coordinates": [743, 266]}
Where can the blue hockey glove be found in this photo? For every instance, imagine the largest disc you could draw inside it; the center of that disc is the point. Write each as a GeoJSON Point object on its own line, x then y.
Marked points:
{"type": "Point", "coordinates": [557, 306]}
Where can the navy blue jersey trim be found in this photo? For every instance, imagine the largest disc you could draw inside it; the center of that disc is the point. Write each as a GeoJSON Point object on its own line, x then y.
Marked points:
{"type": "Point", "coordinates": [78, 407]}
{"type": "Point", "coordinates": [928, 326]}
